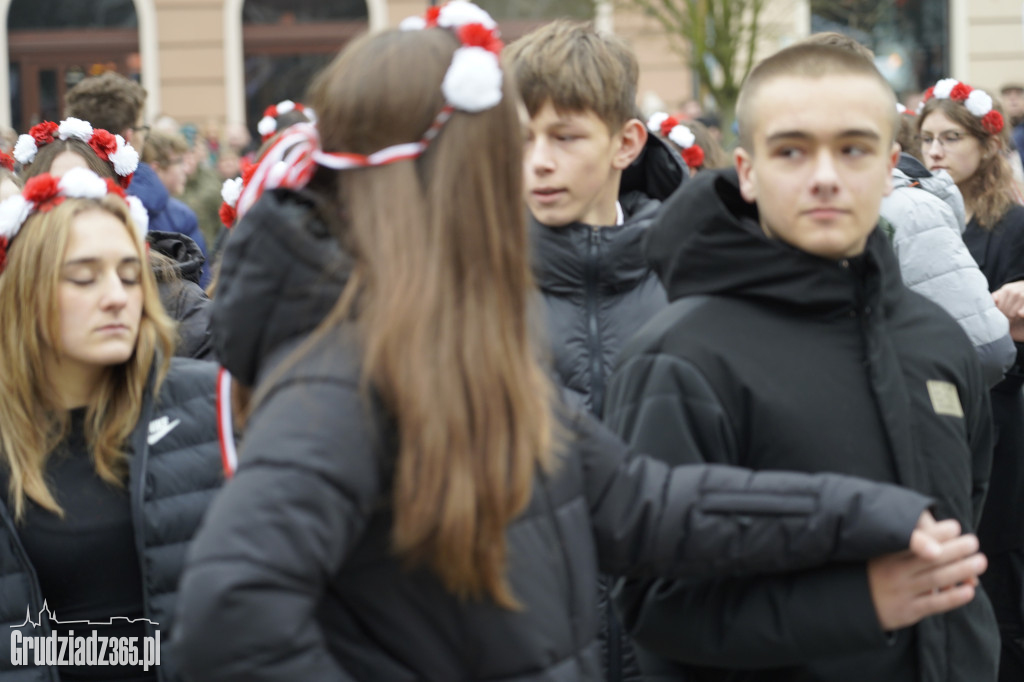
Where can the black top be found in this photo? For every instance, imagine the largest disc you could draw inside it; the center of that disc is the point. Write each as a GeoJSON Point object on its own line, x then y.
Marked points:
{"type": "Point", "coordinates": [86, 562]}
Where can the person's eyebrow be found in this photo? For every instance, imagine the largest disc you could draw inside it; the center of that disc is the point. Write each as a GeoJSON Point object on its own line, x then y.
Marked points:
{"type": "Point", "coordinates": [92, 260]}
{"type": "Point", "coordinates": [787, 135]}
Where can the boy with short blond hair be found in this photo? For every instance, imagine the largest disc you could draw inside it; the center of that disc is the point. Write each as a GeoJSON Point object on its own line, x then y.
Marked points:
{"type": "Point", "coordinates": [791, 343]}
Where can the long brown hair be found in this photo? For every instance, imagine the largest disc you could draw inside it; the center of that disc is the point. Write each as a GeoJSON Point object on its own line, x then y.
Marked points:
{"type": "Point", "coordinates": [31, 422]}
{"type": "Point", "coordinates": [440, 294]}
{"type": "Point", "coordinates": [988, 193]}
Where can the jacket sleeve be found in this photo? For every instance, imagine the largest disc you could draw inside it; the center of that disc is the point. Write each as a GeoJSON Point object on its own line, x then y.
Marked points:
{"type": "Point", "coordinates": [275, 536]}
{"type": "Point", "coordinates": [935, 262]}
{"type": "Point", "coordinates": [192, 311]}
{"type": "Point", "coordinates": [750, 523]}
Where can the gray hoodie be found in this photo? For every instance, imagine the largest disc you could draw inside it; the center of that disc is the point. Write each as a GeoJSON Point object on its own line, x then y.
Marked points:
{"type": "Point", "coordinates": [934, 262]}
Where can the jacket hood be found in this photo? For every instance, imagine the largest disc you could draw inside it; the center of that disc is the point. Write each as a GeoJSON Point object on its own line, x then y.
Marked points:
{"type": "Point", "coordinates": [146, 185]}
{"type": "Point", "coordinates": [560, 253]}
{"type": "Point", "coordinates": [181, 249]}
{"type": "Point", "coordinates": [281, 273]}
{"type": "Point", "coordinates": [708, 240]}
{"type": "Point", "coordinates": [910, 172]}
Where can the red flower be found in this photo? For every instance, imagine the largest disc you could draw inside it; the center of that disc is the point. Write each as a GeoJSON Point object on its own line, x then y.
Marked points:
{"type": "Point", "coordinates": [960, 92]}
{"type": "Point", "coordinates": [43, 132]}
{"type": "Point", "coordinates": [668, 124]}
{"type": "Point", "coordinates": [928, 94]}
{"type": "Point", "coordinates": [693, 156]}
{"type": "Point", "coordinates": [3, 253]}
{"type": "Point", "coordinates": [6, 161]}
{"type": "Point", "coordinates": [248, 168]}
{"type": "Point", "coordinates": [114, 188]}
{"type": "Point", "coordinates": [431, 16]}
{"type": "Point", "coordinates": [478, 35]}
{"type": "Point", "coordinates": [227, 214]}
{"type": "Point", "coordinates": [40, 189]}
{"type": "Point", "coordinates": [992, 122]}
{"type": "Point", "coordinates": [103, 143]}
{"type": "Point", "coordinates": [127, 180]}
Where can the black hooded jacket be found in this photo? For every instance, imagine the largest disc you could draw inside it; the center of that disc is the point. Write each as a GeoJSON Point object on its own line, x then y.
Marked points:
{"type": "Point", "coordinates": [293, 577]}
{"type": "Point", "coordinates": [772, 358]}
{"type": "Point", "coordinates": [183, 299]}
{"type": "Point", "coordinates": [597, 285]}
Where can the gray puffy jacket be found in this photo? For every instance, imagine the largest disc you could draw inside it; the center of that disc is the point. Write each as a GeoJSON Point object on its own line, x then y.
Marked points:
{"type": "Point", "coordinates": [934, 262]}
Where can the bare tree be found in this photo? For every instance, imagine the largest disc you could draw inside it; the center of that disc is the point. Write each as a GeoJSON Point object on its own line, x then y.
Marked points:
{"type": "Point", "coordinates": [717, 38]}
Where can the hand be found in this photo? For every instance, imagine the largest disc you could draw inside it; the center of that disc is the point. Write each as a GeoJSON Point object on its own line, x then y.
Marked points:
{"type": "Point", "coordinates": [906, 587]}
{"type": "Point", "coordinates": [928, 535]}
{"type": "Point", "coordinates": [1009, 298]}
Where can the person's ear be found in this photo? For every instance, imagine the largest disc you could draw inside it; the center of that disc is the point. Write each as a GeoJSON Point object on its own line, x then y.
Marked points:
{"type": "Point", "coordinates": [894, 158]}
{"type": "Point", "coordinates": [747, 174]}
{"type": "Point", "coordinates": [632, 139]}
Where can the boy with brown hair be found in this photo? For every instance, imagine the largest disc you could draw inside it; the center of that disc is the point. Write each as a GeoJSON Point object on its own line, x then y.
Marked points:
{"type": "Point", "coordinates": [791, 343]}
{"type": "Point", "coordinates": [594, 181]}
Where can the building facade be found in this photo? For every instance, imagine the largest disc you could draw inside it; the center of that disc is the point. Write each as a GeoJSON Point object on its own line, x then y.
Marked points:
{"type": "Point", "coordinates": [225, 60]}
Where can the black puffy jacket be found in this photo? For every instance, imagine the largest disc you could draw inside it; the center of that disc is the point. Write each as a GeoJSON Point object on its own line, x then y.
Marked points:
{"type": "Point", "coordinates": [292, 576]}
{"type": "Point", "coordinates": [772, 358]}
{"type": "Point", "coordinates": [170, 484]}
{"type": "Point", "coordinates": [183, 299]}
{"type": "Point", "coordinates": [598, 287]}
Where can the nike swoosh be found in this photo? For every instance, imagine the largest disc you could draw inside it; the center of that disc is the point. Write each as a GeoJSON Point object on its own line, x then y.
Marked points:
{"type": "Point", "coordinates": [156, 436]}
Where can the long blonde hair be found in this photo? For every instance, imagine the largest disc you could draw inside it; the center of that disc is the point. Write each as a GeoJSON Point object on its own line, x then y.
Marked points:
{"type": "Point", "coordinates": [440, 295]}
{"type": "Point", "coordinates": [32, 424]}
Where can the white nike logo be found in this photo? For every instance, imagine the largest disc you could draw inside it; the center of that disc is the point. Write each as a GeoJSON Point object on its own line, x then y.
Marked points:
{"type": "Point", "coordinates": [158, 428]}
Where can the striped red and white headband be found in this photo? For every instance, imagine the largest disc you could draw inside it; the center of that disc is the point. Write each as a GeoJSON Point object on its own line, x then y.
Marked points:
{"type": "Point", "coordinates": [472, 83]}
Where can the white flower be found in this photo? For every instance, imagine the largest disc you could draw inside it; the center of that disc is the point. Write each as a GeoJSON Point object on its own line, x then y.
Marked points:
{"type": "Point", "coordinates": [82, 183]}
{"type": "Point", "coordinates": [459, 13]}
{"type": "Point", "coordinates": [267, 126]}
{"type": "Point", "coordinates": [230, 191]}
{"type": "Point", "coordinates": [473, 80]}
{"type": "Point", "coordinates": [655, 121]}
{"type": "Point", "coordinates": [139, 215]}
{"type": "Point", "coordinates": [311, 115]}
{"type": "Point", "coordinates": [125, 159]}
{"type": "Point", "coordinates": [25, 149]}
{"type": "Point", "coordinates": [944, 87]}
{"type": "Point", "coordinates": [75, 127]}
{"type": "Point", "coordinates": [412, 24]}
{"type": "Point", "coordinates": [978, 103]}
{"type": "Point", "coordinates": [900, 109]}
{"type": "Point", "coordinates": [285, 106]}
{"type": "Point", "coordinates": [13, 212]}
{"type": "Point", "coordinates": [682, 136]}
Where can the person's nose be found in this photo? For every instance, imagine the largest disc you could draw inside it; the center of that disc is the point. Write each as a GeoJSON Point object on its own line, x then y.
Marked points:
{"type": "Point", "coordinates": [115, 293]}
{"type": "Point", "coordinates": [539, 157]}
{"type": "Point", "coordinates": [825, 181]}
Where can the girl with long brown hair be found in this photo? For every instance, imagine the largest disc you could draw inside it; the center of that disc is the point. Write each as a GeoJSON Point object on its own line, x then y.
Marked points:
{"type": "Point", "coordinates": [413, 499]}
{"type": "Point", "coordinates": [962, 131]}
{"type": "Point", "coordinates": [108, 451]}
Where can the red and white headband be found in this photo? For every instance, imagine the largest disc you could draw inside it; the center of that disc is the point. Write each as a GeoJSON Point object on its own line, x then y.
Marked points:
{"type": "Point", "coordinates": [44, 192]}
{"type": "Point", "coordinates": [978, 102]}
{"type": "Point", "coordinates": [231, 191]}
{"type": "Point", "coordinates": [110, 148]}
{"type": "Point", "coordinates": [670, 127]}
{"type": "Point", "coordinates": [472, 84]}
{"type": "Point", "coordinates": [268, 124]}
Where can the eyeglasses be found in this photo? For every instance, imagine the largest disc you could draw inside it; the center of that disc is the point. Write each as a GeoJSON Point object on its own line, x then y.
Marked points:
{"type": "Point", "coordinates": [947, 139]}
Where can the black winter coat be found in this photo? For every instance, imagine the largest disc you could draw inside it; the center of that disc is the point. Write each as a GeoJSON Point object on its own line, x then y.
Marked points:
{"type": "Point", "coordinates": [598, 288]}
{"type": "Point", "coordinates": [183, 299]}
{"type": "Point", "coordinates": [771, 358]}
{"type": "Point", "coordinates": [1000, 255]}
{"type": "Point", "coordinates": [170, 484]}
{"type": "Point", "coordinates": [292, 576]}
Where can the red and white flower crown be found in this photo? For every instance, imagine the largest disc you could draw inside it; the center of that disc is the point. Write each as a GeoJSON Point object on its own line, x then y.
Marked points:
{"type": "Point", "coordinates": [268, 124]}
{"type": "Point", "coordinates": [111, 148]}
{"type": "Point", "coordinates": [670, 127]}
{"type": "Point", "coordinates": [44, 192]}
{"type": "Point", "coordinates": [978, 102]}
{"type": "Point", "coordinates": [471, 84]}
{"type": "Point", "coordinates": [231, 190]}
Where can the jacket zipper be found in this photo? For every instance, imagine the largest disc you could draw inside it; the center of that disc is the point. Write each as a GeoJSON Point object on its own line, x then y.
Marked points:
{"type": "Point", "coordinates": [591, 291]}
